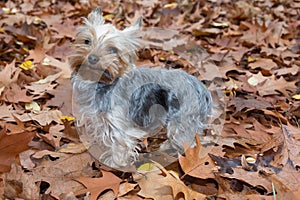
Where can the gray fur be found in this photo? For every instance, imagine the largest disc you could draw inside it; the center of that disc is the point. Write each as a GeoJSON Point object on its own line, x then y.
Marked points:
{"type": "Point", "coordinates": [105, 115]}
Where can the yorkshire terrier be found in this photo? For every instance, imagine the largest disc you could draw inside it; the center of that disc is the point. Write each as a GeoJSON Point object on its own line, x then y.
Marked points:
{"type": "Point", "coordinates": [118, 105]}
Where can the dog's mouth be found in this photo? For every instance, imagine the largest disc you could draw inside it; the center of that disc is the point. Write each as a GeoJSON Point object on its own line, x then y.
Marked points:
{"type": "Point", "coordinates": [106, 77]}
{"type": "Point", "coordinates": [93, 73]}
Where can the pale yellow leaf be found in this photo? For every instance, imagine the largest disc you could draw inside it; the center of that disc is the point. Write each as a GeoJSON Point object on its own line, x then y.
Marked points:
{"type": "Point", "coordinates": [296, 96]}
{"type": "Point", "coordinates": [253, 81]}
{"type": "Point", "coordinates": [33, 106]}
{"type": "Point", "coordinates": [170, 5]}
{"type": "Point", "coordinates": [49, 78]}
{"type": "Point", "coordinates": [250, 160]}
{"type": "Point", "coordinates": [146, 167]}
{"type": "Point", "coordinates": [1, 89]}
{"type": "Point", "coordinates": [222, 24]}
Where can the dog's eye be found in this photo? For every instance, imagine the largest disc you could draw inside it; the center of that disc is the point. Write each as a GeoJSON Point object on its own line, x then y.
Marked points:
{"type": "Point", "coordinates": [112, 50]}
{"type": "Point", "coordinates": [87, 42]}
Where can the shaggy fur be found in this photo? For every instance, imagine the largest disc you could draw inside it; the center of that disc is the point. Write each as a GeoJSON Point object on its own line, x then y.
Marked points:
{"type": "Point", "coordinates": [117, 104]}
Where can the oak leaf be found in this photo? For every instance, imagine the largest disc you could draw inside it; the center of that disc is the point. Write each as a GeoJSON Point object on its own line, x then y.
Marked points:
{"type": "Point", "coordinates": [19, 184]}
{"type": "Point", "coordinates": [98, 185]}
{"type": "Point", "coordinates": [196, 163]}
{"type": "Point", "coordinates": [43, 117]}
{"type": "Point", "coordinates": [263, 63]}
{"type": "Point", "coordinates": [59, 170]}
{"type": "Point", "coordinates": [11, 146]}
{"type": "Point", "coordinates": [15, 94]}
{"type": "Point", "coordinates": [9, 74]}
{"type": "Point", "coordinates": [161, 184]}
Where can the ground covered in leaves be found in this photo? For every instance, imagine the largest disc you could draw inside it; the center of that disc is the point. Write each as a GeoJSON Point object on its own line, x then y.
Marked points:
{"type": "Point", "coordinates": [253, 49]}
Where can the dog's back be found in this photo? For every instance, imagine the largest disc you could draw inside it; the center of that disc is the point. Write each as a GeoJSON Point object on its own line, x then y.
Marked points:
{"type": "Point", "coordinates": [155, 97]}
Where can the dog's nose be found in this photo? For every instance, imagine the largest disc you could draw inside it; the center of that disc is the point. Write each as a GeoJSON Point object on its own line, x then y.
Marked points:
{"type": "Point", "coordinates": [93, 59]}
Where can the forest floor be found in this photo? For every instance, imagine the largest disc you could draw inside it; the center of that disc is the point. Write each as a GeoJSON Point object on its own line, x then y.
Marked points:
{"type": "Point", "coordinates": [246, 52]}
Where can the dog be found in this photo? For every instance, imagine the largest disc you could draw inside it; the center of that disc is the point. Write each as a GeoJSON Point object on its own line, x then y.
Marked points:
{"type": "Point", "coordinates": [117, 105]}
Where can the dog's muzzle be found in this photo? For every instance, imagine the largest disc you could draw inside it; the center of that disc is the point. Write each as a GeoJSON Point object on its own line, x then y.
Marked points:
{"type": "Point", "coordinates": [93, 59]}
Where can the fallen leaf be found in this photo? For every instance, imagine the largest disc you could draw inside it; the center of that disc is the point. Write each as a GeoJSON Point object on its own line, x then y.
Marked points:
{"type": "Point", "coordinates": [73, 148]}
{"type": "Point", "coordinates": [270, 85]}
{"type": "Point", "coordinates": [43, 117]}
{"type": "Point", "coordinates": [296, 96]}
{"type": "Point", "coordinates": [161, 184]}
{"type": "Point", "coordinates": [97, 185]}
{"type": "Point", "coordinates": [6, 111]}
{"type": "Point", "coordinates": [197, 162]}
{"type": "Point", "coordinates": [11, 146]}
{"type": "Point", "coordinates": [63, 66]}
{"type": "Point", "coordinates": [255, 179]}
{"type": "Point", "coordinates": [62, 97]}
{"type": "Point", "coordinates": [33, 106]}
{"type": "Point", "coordinates": [27, 65]}
{"type": "Point", "coordinates": [9, 74]}
{"type": "Point", "coordinates": [290, 152]}
{"type": "Point", "coordinates": [59, 170]}
{"type": "Point", "coordinates": [263, 63]}
{"type": "Point", "coordinates": [15, 94]}
{"type": "Point", "coordinates": [19, 184]}
{"type": "Point", "coordinates": [48, 79]}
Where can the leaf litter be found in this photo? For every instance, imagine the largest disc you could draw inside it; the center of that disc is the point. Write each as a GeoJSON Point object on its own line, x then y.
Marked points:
{"type": "Point", "coordinates": [251, 46]}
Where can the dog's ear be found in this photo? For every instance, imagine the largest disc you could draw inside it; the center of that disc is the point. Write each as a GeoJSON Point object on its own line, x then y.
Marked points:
{"type": "Point", "coordinates": [135, 27]}
{"type": "Point", "coordinates": [133, 33]}
{"type": "Point", "coordinates": [95, 17]}
{"type": "Point", "coordinates": [138, 23]}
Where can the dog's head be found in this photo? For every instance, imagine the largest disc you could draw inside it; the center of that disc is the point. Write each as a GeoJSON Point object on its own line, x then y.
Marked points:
{"type": "Point", "coordinates": [102, 52]}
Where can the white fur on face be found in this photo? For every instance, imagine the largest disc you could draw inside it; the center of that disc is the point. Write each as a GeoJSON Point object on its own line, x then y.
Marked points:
{"type": "Point", "coordinates": [113, 50]}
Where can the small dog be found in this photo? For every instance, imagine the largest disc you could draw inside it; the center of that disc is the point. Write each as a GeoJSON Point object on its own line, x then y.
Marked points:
{"type": "Point", "coordinates": [117, 104]}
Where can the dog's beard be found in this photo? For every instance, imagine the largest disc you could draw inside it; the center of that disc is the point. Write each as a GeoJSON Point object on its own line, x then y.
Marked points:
{"type": "Point", "coordinates": [105, 72]}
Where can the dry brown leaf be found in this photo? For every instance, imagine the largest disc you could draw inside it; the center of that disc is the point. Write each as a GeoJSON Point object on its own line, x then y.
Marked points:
{"type": "Point", "coordinates": [41, 154]}
{"type": "Point", "coordinates": [264, 63]}
{"type": "Point", "coordinates": [42, 86]}
{"type": "Point", "coordinates": [241, 103]}
{"type": "Point", "coordinates": [11, 146]}
{"type": "Point", "coordinates": [125, 188]}
{"type": "Point", "coordinates": [161, 184]}
{"type": "Point", "coordinates": [286, 71]}
{"type": "Point", "coordinates": [196, 162]}
{"type": "Point", "coordinates": [73, 148]}
{"type": "Point", "coordinates": [62, 96]}
{"type": "Point", "coordinates": [254, 179]}
{"type": "Point", "coordinates": [270, 85]}
{"type": "Point", "coordinates": [38, 54]}
{"type": "Point", "coordinates": [15, 94]}
{"type": "Point", "coordinates": [206, 32]}
{"type": "Point", "coordinates": [6, 111]}
{"type": "Point", "coordinates": [43, 118]}
{"type": "Point", "coordinates": [25, 159]}
{"type": "Point", "coordinates": [15, 18]}
{"type": "Point", "coordinates": [9, 74]}
{"type": "Point", "coordinates": [286, 182]}
{"type": "Point", "coordinates": [153, 186]}
{"type": "Point", "coordinates": [125, 193]}
{"type": "Point", "coordinates": [248, 9]}
{"type": "Point", "coordinates": [290, 152]}
{"type": "Point", "coordinates": [63, 66]}
{"type": "Point", "coordinates": [97, 185]}
{"type": "Point", "coordinates": [18, 184]}
{"type": "Point", "coordinates": [59, 170]}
